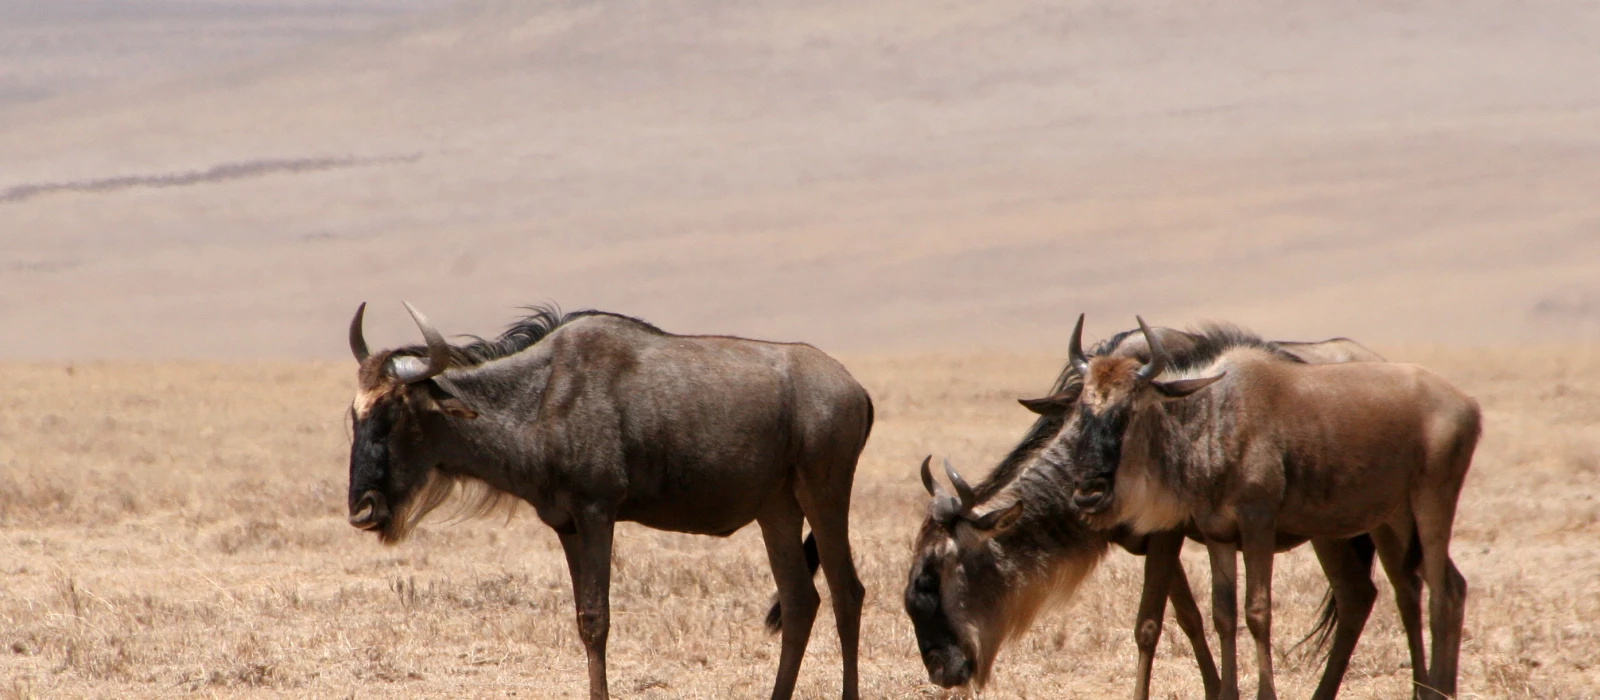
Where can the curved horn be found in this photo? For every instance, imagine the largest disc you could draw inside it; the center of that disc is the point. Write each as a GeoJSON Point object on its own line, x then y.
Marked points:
{"type": "Point", "coordinates": [927, 478]}
{"type": "Point", "coordinates": [1075, 349]}
{"type": "Point", "coordinates": [1158, 354]}
{"type": "Point", "coordinates": [438, 351]}
{"type": "Point", "coordinates": [358, 341]}
{"type": "Point", "coordinates": [963, 491]}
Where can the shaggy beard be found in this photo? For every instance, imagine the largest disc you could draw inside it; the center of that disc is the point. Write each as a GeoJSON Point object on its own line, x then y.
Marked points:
{"type": "Point", "coordinates": [476, 499]}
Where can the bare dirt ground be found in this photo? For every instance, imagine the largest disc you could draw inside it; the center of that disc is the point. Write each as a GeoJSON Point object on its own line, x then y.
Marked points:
{"type": "Point", "coordinates": [178, 529]}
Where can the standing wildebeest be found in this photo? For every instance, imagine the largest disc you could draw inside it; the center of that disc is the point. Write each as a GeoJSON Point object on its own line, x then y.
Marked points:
{"type": "Point", "coordinates": [593, 418]}
{"type": "Point", "coordinates": [989, 559]}
{"type": "Point", "coordinates": [1346, 562]}
{"type": "Point", "coordinates": [1252, 446]}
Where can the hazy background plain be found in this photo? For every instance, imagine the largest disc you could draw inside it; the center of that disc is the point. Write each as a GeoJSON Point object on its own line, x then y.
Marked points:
{"type": "Point", "coordinates": [228, 179]}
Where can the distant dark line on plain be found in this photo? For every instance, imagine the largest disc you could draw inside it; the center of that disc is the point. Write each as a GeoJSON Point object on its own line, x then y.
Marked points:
{"type": "Point", "coordinates": [217, 173]}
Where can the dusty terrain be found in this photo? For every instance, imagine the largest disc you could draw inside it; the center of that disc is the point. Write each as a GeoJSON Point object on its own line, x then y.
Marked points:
{"type": "Point", "coordinates": [172, 529]}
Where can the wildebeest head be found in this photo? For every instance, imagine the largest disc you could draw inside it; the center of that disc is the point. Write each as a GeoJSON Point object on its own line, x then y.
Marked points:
{"type": "Point", "coordinates": [393, 478]}
{"type": "Point", "coordinates": [1099, 410]}
{"type": "Point", "coordinates": [957, 595]}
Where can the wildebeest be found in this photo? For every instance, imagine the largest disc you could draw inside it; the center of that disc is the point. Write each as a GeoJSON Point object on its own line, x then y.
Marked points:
{"type": "Point", "coordinates": [1252, 446]}
{"type": "Point", "coordinates": [978, 579]}
{"type": "Point", "coordinates": [592, 418]}
{"type": "Point", "coordinates": [988, 559]}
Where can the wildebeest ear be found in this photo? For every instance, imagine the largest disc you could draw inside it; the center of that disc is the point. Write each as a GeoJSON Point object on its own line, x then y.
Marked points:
{"type": "Point", "coordinates": [995, 522]}
{"type": "Point", "coordinates": [456, 407]}
{"type": "Point", "coordinates": [437, 398]}
{"type": "Point", "coordinates": [1180, 388]}
{"type": "Point", "coordinates": [1052, 405]}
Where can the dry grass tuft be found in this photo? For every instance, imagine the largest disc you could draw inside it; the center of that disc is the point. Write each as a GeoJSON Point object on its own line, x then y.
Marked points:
{"type": "Point", "coordinates": [178, 529]}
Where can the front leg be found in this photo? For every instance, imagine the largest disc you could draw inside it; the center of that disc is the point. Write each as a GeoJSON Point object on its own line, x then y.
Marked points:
{"type": "Point", "coordinates": [1160, 560]}
{"type": "Point", "coordinates": [1225, 611]}
{"type": "Point", "coordinates": [1257, 539]}
{"type": "Point", "coordinates": [588, 551]}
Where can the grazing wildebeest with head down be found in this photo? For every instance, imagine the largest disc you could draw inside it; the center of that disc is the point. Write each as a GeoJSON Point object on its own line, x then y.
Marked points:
{"type": "Point", "coordinates": [593, 418]}
{"type": "Point", "coordinates": [1251, 446]}
{"type": "Point", "coordinates": [988, 559]}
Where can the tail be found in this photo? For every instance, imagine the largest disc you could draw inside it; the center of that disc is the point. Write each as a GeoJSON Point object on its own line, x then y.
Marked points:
{"type": "Point", "coordinates": [813, 560]}
{"type": "Point", "coordinates": [1322, 634]}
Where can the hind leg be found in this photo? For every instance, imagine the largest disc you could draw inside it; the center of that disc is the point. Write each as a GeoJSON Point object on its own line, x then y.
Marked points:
{"type": "Point", "coordinates": [1447, 593]}
{"type": "Point", "coordinates": [797, 597]}
{"type": "Point", "coordinates": [831, 528]}
{"type": "Point", "coordinates": [1398, 551]}
{"type": "Point", "coordinates": [824, 492]}
{"type": "Point", "coordinates": [1348, 565]}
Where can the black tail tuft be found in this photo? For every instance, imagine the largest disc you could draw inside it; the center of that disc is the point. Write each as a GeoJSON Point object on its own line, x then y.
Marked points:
{"type": "Point", "coordinates": [813, 560]}
{"type": "Point", "coordinates": [1322, 634]}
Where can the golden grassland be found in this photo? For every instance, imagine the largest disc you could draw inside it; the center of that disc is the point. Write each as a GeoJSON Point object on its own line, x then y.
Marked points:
{"type": "Point", "coordinates": [178, 529]}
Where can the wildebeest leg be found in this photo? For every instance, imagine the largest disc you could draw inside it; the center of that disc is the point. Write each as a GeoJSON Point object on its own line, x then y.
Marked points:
{"type": "Point", "coordinates": [573, 548]}
{"type": "Point", "coordinates": [1350, 575]}
{"type": "Point", "coordinates": [1160, 559]}
{"type": "Point", "coordinates": [1187, 613]}
{"type": "Point", "coordinates": [797, 597]}
{"type": "Point", "coordinates": [1447, 591]}
{"type": "Point", "coordinates": [832, 526]}
{"type": "Point", "coordinates": [588, 553]}
{"type": "Point", "coordinates": [1225, 612]}
{"type": "Point", "coordinates": [1397, 550]}
{"type": "Point", "coordinates": [1258, 541]}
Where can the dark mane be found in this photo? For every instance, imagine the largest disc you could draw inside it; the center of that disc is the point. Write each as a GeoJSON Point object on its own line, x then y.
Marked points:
{"type": "Point", "coordinates": [1206, 343]}
{"type": "Point", "coordinates": [1216, 338]}
{"type": "Point", "coordinates": [522, 334]}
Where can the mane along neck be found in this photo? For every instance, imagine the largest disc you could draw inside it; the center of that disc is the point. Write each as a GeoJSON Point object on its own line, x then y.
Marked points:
{"type": "Point", "coordinates": [1048, 552]}
{"type": "Point", "coordinates": [524, 333]}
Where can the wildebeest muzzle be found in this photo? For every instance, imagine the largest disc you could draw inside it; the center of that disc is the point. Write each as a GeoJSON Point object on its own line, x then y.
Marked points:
{"type": "Point", "coordinates": [948, 667]}
{"type": "Point", "coordinates": [370, 512]}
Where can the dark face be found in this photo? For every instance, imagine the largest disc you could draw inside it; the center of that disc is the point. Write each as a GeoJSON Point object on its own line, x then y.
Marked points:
{"type": "Point", "coordinates": [953, 600]}
{"type": "Point", "coordinates": [385, 469]}
{"type": "Point", "coordinates": [1094, 449]}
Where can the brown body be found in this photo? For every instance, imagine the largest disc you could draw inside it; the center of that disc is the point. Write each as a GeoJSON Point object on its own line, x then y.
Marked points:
{"type": "Point", "coordinates": [1347, 562]}
{"type": "Point", "coordinates": [979, 577]}
{"type": "Point", "coordinates": [595, 418]}
{"type": "Point", "coordinates": [1253, 447]}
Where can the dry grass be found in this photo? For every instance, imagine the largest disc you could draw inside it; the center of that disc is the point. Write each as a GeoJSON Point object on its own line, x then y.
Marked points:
{"type": "Point", "coordinates": [173, 529]}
